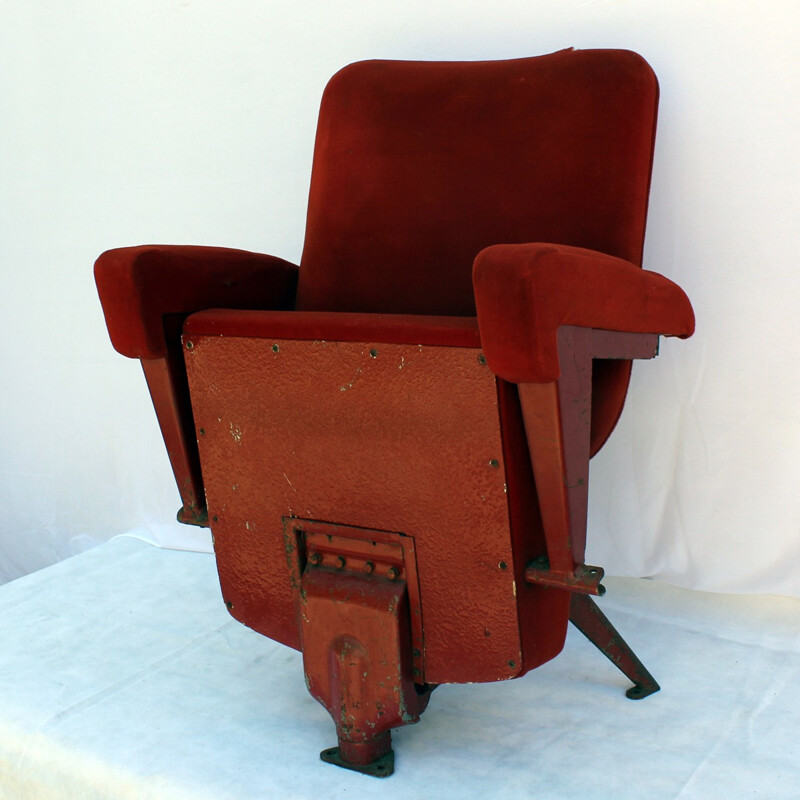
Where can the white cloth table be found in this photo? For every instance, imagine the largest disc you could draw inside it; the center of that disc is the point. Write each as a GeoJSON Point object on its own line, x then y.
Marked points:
{"type": "Point", "coordinates": [122, 676]}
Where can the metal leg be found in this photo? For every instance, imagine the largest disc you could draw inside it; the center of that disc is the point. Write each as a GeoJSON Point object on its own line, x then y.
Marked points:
{"type": "Point", "coordinates": [357, 657]}
{"type": "Point", "coordinates": [594, 625]}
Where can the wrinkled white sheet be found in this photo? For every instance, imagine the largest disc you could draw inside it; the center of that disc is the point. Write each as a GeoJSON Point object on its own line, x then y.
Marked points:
{"type": "Point", "coordinates": [122, 676]}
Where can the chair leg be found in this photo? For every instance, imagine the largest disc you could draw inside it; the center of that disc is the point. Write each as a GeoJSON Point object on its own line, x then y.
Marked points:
{"type": "Point", "coordinates": [357, 658]}
{"type": "Point", "coordinates": [594, 625]}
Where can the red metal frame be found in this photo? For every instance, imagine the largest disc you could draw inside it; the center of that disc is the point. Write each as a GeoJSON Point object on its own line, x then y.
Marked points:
{"type": "Point", "coordinates": [173, 411]}
{"type": "Point", "coordinates": [557, 425]}
{"type": "Point", "coordinates": [595, 626]}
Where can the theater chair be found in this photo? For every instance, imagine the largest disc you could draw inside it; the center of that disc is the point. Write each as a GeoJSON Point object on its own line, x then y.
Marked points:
{"type": "Point", "coordinates": [391, 442]}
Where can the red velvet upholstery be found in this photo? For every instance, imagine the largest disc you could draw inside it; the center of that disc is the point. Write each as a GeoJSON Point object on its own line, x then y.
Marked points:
{"type": "Point", "coordinates": [314, 325]}
{"type": "Point", "coordinates": [420, 166]}
{"type": "Point", "coordinates": [140, 286]}
{"type": "Point", "coordinates": [526, 292]}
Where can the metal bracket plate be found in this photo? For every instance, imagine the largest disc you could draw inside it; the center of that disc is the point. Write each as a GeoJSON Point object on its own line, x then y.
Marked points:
{"type": "Point", "coordinates": [584, 579]}
{"type": "Point", "coordinates": [362, 551]}
{"type": "Point", "coordinates": [381, 767]}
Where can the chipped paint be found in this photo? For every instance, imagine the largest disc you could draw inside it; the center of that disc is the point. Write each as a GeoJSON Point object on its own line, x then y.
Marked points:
{"type": "Point", "coordinates": [350, 384]}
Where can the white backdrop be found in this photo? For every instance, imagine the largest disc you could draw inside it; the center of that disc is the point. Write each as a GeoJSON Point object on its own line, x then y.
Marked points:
{"type": "Point", "coordinates": [136, 121]}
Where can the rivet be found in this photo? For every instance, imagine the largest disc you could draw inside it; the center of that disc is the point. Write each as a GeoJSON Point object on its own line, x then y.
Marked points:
{"type": "Point", "coordinates": [189, 344]}
{"type": "Point", "coordinates": [229, 604]}
{"type": "Point", "coordinates": [314, 559]}
{"type": "Point", "coordinates": [512, 664]}
{"type": "Point", "coordinates": [340, 562]}
{"type": "Point", "coordinates": [214, 518]}
{"type": "Point", "coordinates": [275, 348]}
{"type": "Point", "coordinates": [373, 353]}
{"type": "Point", "coordinates": [482, 360]}
{"type": "Point", "coordinates": [392, 573]}
{"type": "Point", "coordinates": [494, 463]}
{"type": "Point", "coordinates": [369, 567]}
{"type": "Point", "coordinates": [503, 565]}
{"type": "Point", "coordinates": [416, 653]}
{"type": "Point", "coordinates": [416, 673]}
{"type": "Point", "coordinates": [202, 431]}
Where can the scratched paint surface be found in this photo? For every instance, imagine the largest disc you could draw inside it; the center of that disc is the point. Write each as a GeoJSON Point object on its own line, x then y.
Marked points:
{"type": "Point", "coordinates": [393, 437]}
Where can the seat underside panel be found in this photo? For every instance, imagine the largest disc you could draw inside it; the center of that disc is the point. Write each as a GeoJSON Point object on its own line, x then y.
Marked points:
{"type": "Point", "coordinates": [393, 437]}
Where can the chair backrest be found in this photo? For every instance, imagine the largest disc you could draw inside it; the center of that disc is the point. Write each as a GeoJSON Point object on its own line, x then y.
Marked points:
{"type": "Point", "coordinates": [420, 165]}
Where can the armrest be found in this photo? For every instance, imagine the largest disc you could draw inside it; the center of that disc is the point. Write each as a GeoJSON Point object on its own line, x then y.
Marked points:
{"type": "Point", "coordinates": [146, 293]}
{"type": "Point", "coordinates": [525, 292]}
{"type": "Point", "coordinates": [140, 286]}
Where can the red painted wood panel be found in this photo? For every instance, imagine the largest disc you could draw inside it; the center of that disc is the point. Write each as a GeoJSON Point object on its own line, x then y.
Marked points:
{"type": "Point", "coordinates": [394, 437]}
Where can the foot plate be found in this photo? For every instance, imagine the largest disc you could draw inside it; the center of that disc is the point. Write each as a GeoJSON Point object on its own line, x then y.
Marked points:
{"type": "Point", "coordinates": [381, 767]}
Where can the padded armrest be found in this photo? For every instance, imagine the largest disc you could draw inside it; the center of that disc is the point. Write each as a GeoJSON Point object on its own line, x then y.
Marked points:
{"type": "Point", "coordinates": [139, 286]}
{"type": "Point", "coordinates": [525, 292]}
